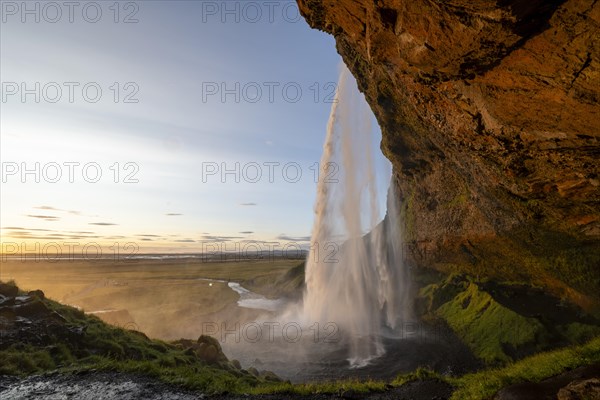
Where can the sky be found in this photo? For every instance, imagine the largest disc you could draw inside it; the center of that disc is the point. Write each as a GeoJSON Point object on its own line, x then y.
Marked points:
{"type": "Point", "coordinates": [166, 124]}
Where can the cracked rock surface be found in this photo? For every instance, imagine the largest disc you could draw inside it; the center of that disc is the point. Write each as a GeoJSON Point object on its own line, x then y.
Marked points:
{"type": "Point", "coordinates": [489, 113]}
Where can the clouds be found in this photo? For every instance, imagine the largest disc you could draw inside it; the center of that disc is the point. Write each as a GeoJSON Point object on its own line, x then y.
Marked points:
{"type": "Point", "coordinates": [55, 210]}
{"type": "Point", "coordinates": [47, 234]}
{"type": "Point", "coordinates": [44, 217]}
{"type": "Point", "coordinates": [51, 218]}
{"type": "Point", "coordinates": [103, 224]}
{"type": "Point", "coordinates": [221, 238]}
{"type": "Point", "coordinates": [46, 208]}
{"type": "Point", "coordinates": [169, 139]}
{"type": "Point", "coordinates": [50, 208]}
{"type": "Point", "coordinates": [283, 236]}
{"type": "Point", "coordinates": [155, 242]}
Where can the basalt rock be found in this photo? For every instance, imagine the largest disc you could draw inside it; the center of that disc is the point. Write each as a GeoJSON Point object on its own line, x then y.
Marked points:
{"type": "Point", "coordinates": [580, 390]}
{"type": "Point", "coordinates": [27, 319]}
{"type": "Point", "coordinates": [489, 113]}
{"type": "Point", "coordinates": [8, 290]}
{"type": "Point", "coordinates": [207, 348]}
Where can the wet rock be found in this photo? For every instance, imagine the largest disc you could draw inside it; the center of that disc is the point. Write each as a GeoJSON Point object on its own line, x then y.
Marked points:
{"type": "Point", "coordinates": [209, 340]}
{"type": "Point", "coordinates": [22, 299]}
{"type": "Point", "coordinates": [210, 353]}
{"type": "Point", "coordinates": [77, 330]}
{"type": "Point", "coordinates": [6, 301]}
{"type": "Point", "coordinates": [22, 320]}
{"type": "Point", "coordinates": [37, 293]}
{"type": "Point", "coordinates": [580, 390]}
{"type": "Point", "coordinates": [270, 376]}
{"type": "Point", "coordinates": [206, 348]}
{"type": "Point", "coordinates": [92, 385]}
{"type": "Point", "coordinates": [7, 313]}
{"type": "Point", "coordinates": [350, 395]}
{"type": "Point", "coordinates": [28, 309]}
{"type": "Point", "coordinates": [57, 317]}
{"type": "Point", "coordinates": [572, 383]}
{"type": "Point", "coordinates": [209, 349]}
{"type": "Point", "coordinates": [8, 290]}
{"type": "Point", "coordinates": [184, 343]}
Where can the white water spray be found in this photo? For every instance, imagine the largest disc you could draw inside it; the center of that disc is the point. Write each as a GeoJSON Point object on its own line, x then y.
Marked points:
{"type": "Point", "coordinates": [354, 272]}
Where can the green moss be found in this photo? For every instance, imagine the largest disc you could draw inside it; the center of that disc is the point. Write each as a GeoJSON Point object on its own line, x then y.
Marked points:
{"type": "Point", "coordinates": [484, 384]}
{"type": "Point", "coordinates": [334, 387]}
{"type": "Point", "coordinates": [436, 294]}
{"type": "Point", "coordinates": [578, 267]}
{"type": "Point", "coordinates": [487, 327]}
{"type": "Point", "coordinates": [460, 199]}
{"type": "Point", "coordinates": [577, 332]}
{"type": "Point", "coordinates": [419, 374]}
{"type": "Point", "coordinates": [210, 380]}
{"type": "Point", "coordinates": [17, 360]}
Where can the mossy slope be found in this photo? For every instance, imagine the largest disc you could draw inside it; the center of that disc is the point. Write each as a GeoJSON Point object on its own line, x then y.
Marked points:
{"type": "Point", "coordinates": [501, 324]}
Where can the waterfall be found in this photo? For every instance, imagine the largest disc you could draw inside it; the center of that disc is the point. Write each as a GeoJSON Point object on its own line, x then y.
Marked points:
{"type": "Point", "coordinates": [355, 277]}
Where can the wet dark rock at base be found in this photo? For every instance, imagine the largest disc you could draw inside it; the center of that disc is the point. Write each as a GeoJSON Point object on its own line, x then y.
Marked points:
{"type": "Point", "coordinates": [120, 386]}
{"type": "Point", "coordinates": [26, 319]}
{"type": "Point", "coordinates": [580, 390]}
{"type": "Point", "coordinates": [37, 293]}
{"type": "Point", "coordinates": [91, 386]}
{"type": "Point", "coordinates": [8, 290]}
{"type": "Point", "coordinates": [570, 385]}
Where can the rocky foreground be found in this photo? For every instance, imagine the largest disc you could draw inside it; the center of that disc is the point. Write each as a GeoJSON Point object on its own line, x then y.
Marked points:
{"type": "Point", "coordinates": [50, 351]}
{"type": "Point", "coordinates": [120, 386]}
{"type": "Point", "coordinates": [40, 335]}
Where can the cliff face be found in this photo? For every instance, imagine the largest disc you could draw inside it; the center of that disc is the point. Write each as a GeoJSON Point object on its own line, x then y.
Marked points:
{"type": "Point", "coordinates": [489, 112]}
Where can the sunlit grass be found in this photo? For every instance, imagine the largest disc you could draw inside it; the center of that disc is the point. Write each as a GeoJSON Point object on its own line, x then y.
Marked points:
{"type": "Point", "coordinates": [486, 326]}
{"type": "Point", "coordinates": [484, 384]}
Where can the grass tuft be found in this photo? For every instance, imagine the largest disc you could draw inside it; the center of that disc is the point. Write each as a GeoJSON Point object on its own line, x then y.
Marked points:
{"type": "Point", "coordinates": [484, 384]}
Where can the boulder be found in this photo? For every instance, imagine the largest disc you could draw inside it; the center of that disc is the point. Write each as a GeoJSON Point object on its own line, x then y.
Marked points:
{"type": "Point", "coordinates": [29, 309]}
{"type": "Point", "coordinates": [209, 349]}
{"type": "Point", "coordinates": [580, 390]}
{"type": "Point", "coordinates": [8, 290]}
{"type": "Point", "coordinates": [270, 376]}
{"type": "Point", "coordinates": [37, 293]}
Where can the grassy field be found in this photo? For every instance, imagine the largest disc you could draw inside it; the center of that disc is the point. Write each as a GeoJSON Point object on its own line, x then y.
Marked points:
{"type": "Point", "coordinates": [166, 299]}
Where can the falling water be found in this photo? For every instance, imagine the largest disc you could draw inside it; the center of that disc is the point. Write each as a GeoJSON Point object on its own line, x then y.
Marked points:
{"type": "Point", "coordinates": [354, 272]}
